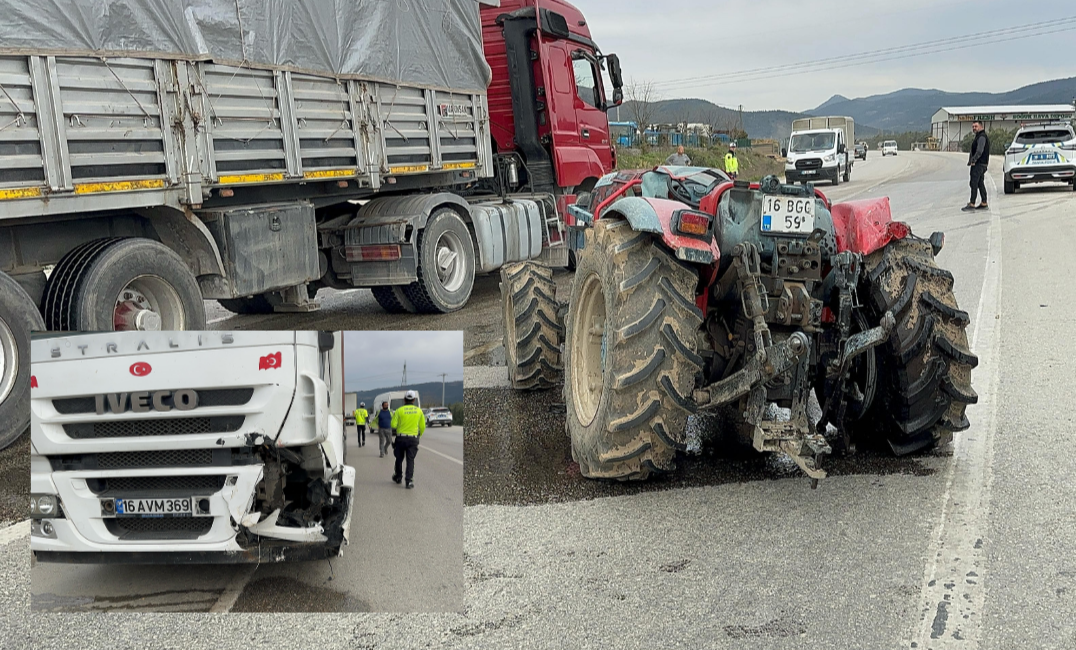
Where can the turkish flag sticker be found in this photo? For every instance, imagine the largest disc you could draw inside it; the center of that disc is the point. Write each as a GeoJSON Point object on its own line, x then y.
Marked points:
{"type": "Point", "coordinates": [140, 369]}
{"type": "Point", "coordinates": [33, 381]}
{"type": "Point", "coordinates": [269, 361]}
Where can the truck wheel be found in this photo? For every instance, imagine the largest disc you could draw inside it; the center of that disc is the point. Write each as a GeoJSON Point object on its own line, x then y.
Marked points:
{"type": "Point", "coordinates": [123, 284]}
{"type": "Point", "coordinates": [393, 300]}
{"type": "Point", "coordinates": [18, 317]}
{"type": "Point", "coordinates": [532, 334]}
{"type": "Point", "coordinates": [1010, 187]}
{"type": "Point", "coordinates": [445, 265]}
{"type": "Point", "coordinates": [924, 370]}
{"type": "Point", "coordinates": [837, 177]}
{"type": "Point", "coordinates": [847, 174]}
{"type": "Point", "coordinates": [630, 354]}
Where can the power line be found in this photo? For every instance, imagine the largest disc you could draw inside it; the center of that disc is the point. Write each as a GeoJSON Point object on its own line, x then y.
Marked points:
{"type": "Point", "coordinates": [876, 56]}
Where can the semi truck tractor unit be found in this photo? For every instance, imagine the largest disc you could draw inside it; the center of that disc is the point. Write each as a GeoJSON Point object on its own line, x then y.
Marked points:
{"type": "Point", "coordinates": [798, 326]}
{"type": "Point", "coordinates": [188, 447]}
{"type": "Point", "coordinates": [219, 157]}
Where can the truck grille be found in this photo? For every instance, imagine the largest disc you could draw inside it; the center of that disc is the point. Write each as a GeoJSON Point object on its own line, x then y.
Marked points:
{"type": "Point", "coordinates": [132, 528]}
{"type": "Point", "coordinates": [145, 485]}
{"type": "Point", "coordinates": [206, 397]}
{"type": "Point", "coordinates": [809, 163]}
{"type": "Point", "coordinates": [215, 457]}
{"type": "Point", "coordinates": [156, 427]}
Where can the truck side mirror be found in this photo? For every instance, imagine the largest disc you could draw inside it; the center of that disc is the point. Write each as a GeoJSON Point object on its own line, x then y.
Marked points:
{"type": "Point", "coordinates": [614, 73]}
{"type": "Point", "coordinates": [784, 152]}
{"type": "Point", "coordinates": [841, 148]}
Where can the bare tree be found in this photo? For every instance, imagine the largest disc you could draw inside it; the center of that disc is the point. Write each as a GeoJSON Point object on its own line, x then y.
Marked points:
{"type": "Point", "coordinates": [642, 100]}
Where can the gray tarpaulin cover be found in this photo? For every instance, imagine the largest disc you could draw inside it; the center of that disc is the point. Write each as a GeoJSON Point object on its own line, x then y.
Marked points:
{"type": "Point", "coordinates": [436, 43]}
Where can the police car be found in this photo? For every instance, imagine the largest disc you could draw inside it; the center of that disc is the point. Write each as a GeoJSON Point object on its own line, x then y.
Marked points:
{"type": "Point", "coordinates": [1041, 153]}
{"type": "Point", "coordinates": [439, 416]}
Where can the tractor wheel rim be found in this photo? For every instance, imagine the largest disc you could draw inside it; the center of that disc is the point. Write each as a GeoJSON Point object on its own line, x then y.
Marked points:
{"type": "Point", "coordinates": [9, 360]}
{"type": "Point", "coordinates": [148, 303]}
{"type": "Point", "coordinates": [450, 261]}
{"type": "Point", "coordinates": [589, 348]}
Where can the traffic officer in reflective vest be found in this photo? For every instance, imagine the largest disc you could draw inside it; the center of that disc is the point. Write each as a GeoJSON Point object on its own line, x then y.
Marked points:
{"type": "Point", "coordinates": [360, 422]}
{"type": "Point", "coordinates": [409, 424]}
{"type": "Point", "coordinates": [732, 164]}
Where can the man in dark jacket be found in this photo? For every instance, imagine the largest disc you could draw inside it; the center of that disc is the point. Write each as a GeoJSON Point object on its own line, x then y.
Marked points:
{"type": "Point", "coordinates": [980, 156]}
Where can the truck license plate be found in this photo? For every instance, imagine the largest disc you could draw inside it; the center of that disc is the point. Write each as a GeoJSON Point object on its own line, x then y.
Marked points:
{"type": "Point", "coordinates": [153, 507]}
{"type": "Point", "coordinates": [788, 214]}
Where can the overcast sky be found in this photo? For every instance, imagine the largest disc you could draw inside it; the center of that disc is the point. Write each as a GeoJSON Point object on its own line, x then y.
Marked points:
{"type": "Point", "coordinates": [375, 359]}
{"type": "Point", "coordinates": [678, 39]}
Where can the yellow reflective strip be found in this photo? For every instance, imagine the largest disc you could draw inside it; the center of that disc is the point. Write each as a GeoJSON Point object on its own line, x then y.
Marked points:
{"type": "Point", "coordinates": [459, 165]}
{"type": "Point", "coordinates": [330, 173]}
{"type": "Point", "coordinates": [20, 193]}
{"type": "Point", "coordinates": [408, 169]}
{"type": "Point", "coordinates": [250, 178]}
{"type": "Point", "coordinates": [119, 186]}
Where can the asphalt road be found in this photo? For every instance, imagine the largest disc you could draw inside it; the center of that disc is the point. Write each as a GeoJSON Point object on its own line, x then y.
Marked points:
{"type": "Point", "coordinates": [405, 554]}
{"type": "Point", "coordinates": [970, 550]}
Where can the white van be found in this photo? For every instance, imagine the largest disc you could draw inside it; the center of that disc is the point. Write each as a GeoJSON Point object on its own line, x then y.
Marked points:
{"type": "Point", "coordinates": [395, 399]}
{"type": "Point", "coordinates": [889, 147]}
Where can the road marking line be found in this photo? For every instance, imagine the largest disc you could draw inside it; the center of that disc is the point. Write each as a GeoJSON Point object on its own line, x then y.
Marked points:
{"type": "Point", "coordinates": [434, 451]}
{"type": "Point", "coordinates": [907, 164]}
{"type": "Point", "coordinates": [482, 349]}
{"type": "Point", "coordinates": [234, 589]}
{"type": "Point", "coordinates": [14, 532]}
{"type": "Point", "coordinates": [954, 581]}
{"type": "Point", "coordinates": [217, 320]}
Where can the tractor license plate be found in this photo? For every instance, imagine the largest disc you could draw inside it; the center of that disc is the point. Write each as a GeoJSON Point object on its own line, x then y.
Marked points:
{"type": "Point", "coordinates": [153, 507]}
{"type": "Point", "coordinates": [788, 214]}
{"type": "Point", "coordinates": [1044, 157]}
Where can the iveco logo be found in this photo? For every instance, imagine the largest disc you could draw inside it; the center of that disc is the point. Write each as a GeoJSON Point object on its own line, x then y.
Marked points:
{"type": "Point", "coordinates": [145, 401]}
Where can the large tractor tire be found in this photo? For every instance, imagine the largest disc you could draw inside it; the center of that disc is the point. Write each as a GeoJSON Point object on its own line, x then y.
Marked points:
{"type": "Point", "coordinates": [122, 284]}
{"type": "Point", "coordinates": [532, 333]}
{"type": "Point", "coordinates": [924, 369]}
{"type": "Point", "coordinates": [446, 265]}
{"type": "Point", "coordinates": [630, 355]}
{"type": "Point", "coordinates": [18, 317]}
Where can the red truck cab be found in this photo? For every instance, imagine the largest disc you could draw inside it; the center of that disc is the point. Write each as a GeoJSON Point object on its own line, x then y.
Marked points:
{"type": "Point", "coordinates": [547, 97]}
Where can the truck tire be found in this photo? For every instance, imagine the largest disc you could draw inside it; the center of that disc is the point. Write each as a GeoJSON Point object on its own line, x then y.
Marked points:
{"type": "Point", "coordinates": [122, 283]}
{"type": "Point", "coordinates": [631, 354]}
{"type": "Point", "coordinates": [393, 300]}
{"type": "Point", "coordinates": [847, 173]}
{"type": "Point", "coordinates": [532, 334]}
{"type": "Point", "coordinates": [837, 177]}
{"type": "Point", "coordinates": [445, 265]}
{"type": "Point", "coordinates": [18, 317]}
{"type": "Point", "coordinates": [924, 369]}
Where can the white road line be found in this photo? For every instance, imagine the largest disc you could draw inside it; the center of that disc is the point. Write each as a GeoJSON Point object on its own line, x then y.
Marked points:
{"type": "Point", "coordinates": [232, 592]}
{"type": "Point", "coordinates": [434, 451]}
{"type": "Point", "coordinates": [14, 532]}
{"type": "Point", "coordinates": [954, 580]}
{"type": "Point", "coordinates": [217, 320]}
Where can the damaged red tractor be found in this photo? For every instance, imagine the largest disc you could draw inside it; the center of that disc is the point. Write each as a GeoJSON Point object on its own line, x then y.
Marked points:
{"type": "Point", "coordinates": [803, 325]}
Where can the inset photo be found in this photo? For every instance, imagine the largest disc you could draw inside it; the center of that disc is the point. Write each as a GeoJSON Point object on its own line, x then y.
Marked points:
{"type": "Point", "coordinates": [209, 472]}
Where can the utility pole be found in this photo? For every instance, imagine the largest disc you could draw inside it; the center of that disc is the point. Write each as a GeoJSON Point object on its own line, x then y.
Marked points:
{"type": "Point", "coordinates": [403, 380]}
{"type": "Point", "coordinates": [443, 375]}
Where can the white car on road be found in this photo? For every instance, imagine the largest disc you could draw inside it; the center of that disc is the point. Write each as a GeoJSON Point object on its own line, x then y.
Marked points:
{"type": "Point", "coordinates": [889, 147]}
{"type": "Point", "coordinates": [1041, 153]}
{"type": "Point", "coordinates": [440, 416]}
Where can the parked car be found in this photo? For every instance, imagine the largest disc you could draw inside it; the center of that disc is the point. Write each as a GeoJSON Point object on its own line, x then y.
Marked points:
{"type": "Point", "coordinates": [889, 147]}
{"type": "Point", "coordinates": [1041, 153]}
{"type": "Point", "coordinates": [861, 150]}
{"type": "Point", "coordinates": [440, 416]}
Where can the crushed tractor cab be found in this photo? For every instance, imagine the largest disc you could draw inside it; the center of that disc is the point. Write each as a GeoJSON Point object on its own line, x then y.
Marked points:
{"type": "Point", "coordinates": [807, 326]}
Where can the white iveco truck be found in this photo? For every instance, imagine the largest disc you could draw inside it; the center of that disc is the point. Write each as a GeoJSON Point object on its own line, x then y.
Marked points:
{"type": "Point", "coordinates": [188, 447]}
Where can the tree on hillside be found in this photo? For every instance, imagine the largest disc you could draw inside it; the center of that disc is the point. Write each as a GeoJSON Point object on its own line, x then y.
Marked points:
{"type": "Point", "coordinates": [642, 104]}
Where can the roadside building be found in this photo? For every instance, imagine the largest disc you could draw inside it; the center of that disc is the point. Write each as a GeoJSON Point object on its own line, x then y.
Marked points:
{"type": "Point", "coordinates": [951, 123]}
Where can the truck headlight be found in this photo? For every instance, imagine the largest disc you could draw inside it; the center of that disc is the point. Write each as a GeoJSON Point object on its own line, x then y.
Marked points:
{"type": "Point", "coordinates": [830, 157]}
{"type": "Point", "coordinates": [45, 505]}
{"type": "Point", "coordinates": [42, 528]}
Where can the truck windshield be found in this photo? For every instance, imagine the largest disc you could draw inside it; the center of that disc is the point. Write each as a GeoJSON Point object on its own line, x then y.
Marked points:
{"type": "Point", "coordinates": [804, 142]}
{"type": "Point", "coordinates": [1044, 137]}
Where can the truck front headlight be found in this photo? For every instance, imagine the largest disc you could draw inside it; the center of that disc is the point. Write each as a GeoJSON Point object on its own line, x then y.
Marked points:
{"type": "Point", "coordinates": [830, 157]}
{"type": "Point", "coordinates": [45, 506]}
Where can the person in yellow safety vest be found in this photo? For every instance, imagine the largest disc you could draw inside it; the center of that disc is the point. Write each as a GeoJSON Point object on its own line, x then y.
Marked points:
{"type": "Point", "coordinates": [409, 424]}
{"type": "Point", "coordinates": [732, 165]}
{"type": "Point", "coordinates": [360, 422]}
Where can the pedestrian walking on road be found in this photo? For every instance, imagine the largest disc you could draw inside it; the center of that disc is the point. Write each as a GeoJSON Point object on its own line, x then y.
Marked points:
{"type": "Point", "coordinates": [678, 158]}
{"type": "Point", "coordinates": [360, 423]}
{"type": "Point", "coordinates": [384, 429]}
{"type": "Point", "coordinates": [732, 164]}
{"type": "Point", "coordinates": [409, 424]}
{"type": "Point", "coordinates": [978, 160]}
